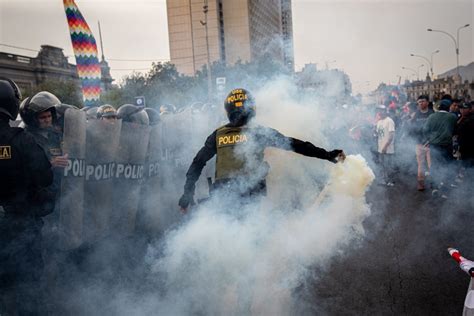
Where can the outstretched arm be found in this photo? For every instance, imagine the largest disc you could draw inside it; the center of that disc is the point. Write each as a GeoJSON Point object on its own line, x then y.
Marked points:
{"type": "Point", "coordinates": [278, 140]}
{"type": "Point", "coordinates": [195, 169]}
{"type": "Point", "coordinates": [308, 149]}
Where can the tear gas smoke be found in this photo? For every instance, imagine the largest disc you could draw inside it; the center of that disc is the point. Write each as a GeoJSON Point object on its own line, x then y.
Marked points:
{"type": "Point", "coordinates": [222, 262]}
{"type": "Point", "coordinates": [229, 257]}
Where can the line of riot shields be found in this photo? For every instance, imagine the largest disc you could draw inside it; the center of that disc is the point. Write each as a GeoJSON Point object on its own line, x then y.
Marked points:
{"type": "Point", "coordinates": [123, 178]}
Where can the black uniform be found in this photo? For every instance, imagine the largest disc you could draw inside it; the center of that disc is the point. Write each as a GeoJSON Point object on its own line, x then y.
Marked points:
{"type": "Point", "coordinates": [25, 171]}
{"type": "Point", "coordinates": [240, 167]}
{"type": "Point", "coordinates": [50, 141]}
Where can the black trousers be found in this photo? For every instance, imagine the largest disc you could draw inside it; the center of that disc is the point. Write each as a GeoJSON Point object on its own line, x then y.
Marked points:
{"type": "Point", "coordinates": [21, 265]}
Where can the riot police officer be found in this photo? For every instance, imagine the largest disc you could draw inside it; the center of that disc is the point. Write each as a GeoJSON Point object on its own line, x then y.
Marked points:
{"type": "Point", "coordinates": [39, 115]}
{"type": "Point", "coordinates": [239, 147]}
{"type": "Point", "coordinates": [107, 113]}
{"type": "Point", "coordinates": [133, 114]}
{"type": "Point", "coordinates": [60, 113]}
{"type": "Point", "coordinates": [25, 171]}
{"type": "Point", "coordinates": [153, 116]}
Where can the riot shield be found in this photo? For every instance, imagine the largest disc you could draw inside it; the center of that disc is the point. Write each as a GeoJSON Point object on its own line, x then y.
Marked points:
{"type": "Point", "coordinates": [101, 149]}
{"type": "Point", "coordinates": [149, 217]}
{"type": "Point", "coordinates": [72, 184]}
{"type": "Point", "coordinates": [129, 175]}
{"type": "Point", "coordinates": [203, 122]}
{"type": "Point", "coordinates": [177, 154]}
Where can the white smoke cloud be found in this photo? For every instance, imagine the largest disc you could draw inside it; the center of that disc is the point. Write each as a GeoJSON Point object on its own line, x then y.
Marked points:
{"type": "Point", "coordinates": [226, 257]}
{"type": "Point", "coordinates": [223, 263]}
{"type": "Point", "coordinates": [229, 258]}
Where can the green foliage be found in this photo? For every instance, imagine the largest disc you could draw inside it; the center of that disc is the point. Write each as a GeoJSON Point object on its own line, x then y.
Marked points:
{"type": "Point", "coordinates": [163, 84]}
{"type": "Point", "coordinates": [113, 97]}
{"type": "Point", "coordinates": [66, 91]}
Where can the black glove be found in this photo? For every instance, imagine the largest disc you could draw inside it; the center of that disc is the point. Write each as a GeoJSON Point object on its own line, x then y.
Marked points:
{"type": "Point", "coordinates": [333, 154]}
{"type": "Point", "coordinates": [185, 200]}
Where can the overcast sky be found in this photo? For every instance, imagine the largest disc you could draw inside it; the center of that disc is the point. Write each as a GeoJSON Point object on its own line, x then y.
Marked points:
{"type": "Point", "coordinates": [369, 39]}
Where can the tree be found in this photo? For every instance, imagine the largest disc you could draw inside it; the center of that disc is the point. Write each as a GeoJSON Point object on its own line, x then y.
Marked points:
{"type": "Point", "coordinates": [67, 91]}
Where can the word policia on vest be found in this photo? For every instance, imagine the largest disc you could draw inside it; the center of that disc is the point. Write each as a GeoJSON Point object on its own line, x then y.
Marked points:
{"type": "Point", "coordinates": [5, 152]}
{"type": "Point", "coordinates": [232, 139]}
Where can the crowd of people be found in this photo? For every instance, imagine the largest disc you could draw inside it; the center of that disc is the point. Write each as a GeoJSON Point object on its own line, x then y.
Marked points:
{"type": "Point", "coordinates": [434, 138]}
{"type": "Point", "coordinates": [437, 139]}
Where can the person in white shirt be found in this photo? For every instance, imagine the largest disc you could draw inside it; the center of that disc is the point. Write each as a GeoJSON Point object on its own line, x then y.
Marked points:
{"type": "Point", "coordinates": [385, 130]}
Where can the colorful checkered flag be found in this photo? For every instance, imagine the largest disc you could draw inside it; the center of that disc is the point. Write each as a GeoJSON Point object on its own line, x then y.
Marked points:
{"type": "Point", "coordinates": [85, 50]}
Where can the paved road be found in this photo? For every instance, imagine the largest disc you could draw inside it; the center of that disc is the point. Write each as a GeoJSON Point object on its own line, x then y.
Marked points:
{"type": "Point", "coordinates": [402, 268]}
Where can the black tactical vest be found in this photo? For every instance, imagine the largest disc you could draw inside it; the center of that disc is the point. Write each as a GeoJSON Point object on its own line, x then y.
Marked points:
{"type": "Point", "coordinates": [13, 187]}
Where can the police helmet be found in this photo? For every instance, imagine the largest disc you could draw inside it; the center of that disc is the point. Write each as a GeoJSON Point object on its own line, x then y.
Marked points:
{"type": "Point", "coordinates": [61, 109]}
{"type": "Point", "coordinates": [41, 102]}
{"type": "Point", "coordinates": [106, 110]}
{"type": "Point", "coordinates": [153, 116]}
{"type": "Point", "coordinates": [91, 112]}
{"type": "Point", "coordinates": [239, 104]}
{"type": "Point", "coordinates": [10, 97]}
{"type": "Point", "coordinates": [133, 114]}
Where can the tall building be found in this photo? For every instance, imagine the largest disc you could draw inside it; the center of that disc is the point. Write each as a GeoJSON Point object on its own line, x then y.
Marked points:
{"type": "Point", "coordinates": [237, 30]}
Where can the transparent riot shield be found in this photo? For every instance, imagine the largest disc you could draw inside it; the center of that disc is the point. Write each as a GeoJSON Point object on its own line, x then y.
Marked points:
{"type": "Point", "coordinates": [149, 214]}
{"type": "Point", "coordinates": [129, 176]}
{"type": "Point", "coordinates": [177, 154]}
{"type": "Point", "coordinates": [72, 184]}
{"type": "Point", "coordinates": [101, 150]}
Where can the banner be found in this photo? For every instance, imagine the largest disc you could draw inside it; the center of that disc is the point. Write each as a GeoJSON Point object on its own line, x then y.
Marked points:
{"type": "Point", "coordinates": [85, 50]}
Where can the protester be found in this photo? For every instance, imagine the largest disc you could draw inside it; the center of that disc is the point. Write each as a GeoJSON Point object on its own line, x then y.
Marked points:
{"type": "Point", "coordinates": [454, 108]}
{"type": "Point", "coordinates": [465, 135]}
{"type": "Point", "coordinates": [423, 157]}
{"type": "Point", "coordinates": [438, 133]}
{"type": "Point", "coordinates": [385, 130]}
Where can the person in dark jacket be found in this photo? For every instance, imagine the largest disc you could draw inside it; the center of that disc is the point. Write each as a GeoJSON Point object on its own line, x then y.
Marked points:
{"type": "Point", "coordinates": [423, 157]}
{"type": "Point", "coordinates": [465, 134]}
{"type": "Point", "coordinates": [25, 171]}
{"type": "Point", "coordinates": [239, 147]}
{"type": "Point", "coordinates": [438, 134]}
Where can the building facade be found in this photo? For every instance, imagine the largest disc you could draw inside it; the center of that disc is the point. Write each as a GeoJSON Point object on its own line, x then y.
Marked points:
{"type": "Point", "coordinates": [332, 85]}
{"type": "Point", "coordinates": [49, 65]}
{"type": "Point", "coordinates": [454, 86]}
{"type": "Point", "coordinates": [236, 30]}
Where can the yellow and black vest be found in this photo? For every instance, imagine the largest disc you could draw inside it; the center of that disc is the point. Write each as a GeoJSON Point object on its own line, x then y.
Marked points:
{"type": "Point", "coordinates": [237, 152]}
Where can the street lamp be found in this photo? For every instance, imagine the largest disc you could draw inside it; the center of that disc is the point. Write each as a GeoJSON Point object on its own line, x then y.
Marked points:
{"type": "Point", "coordinates": [411, 69]}
{"type": "Point", "coordinates": [429, 63]}
{"type": "Point", "coordinates": [455, 40]}
{"type": "Point", "coordinates": [432, 54]}
{"type": "Point", "coordinates": [418, 72]}
{"type": "Point", "coordinates": [205, 10]}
